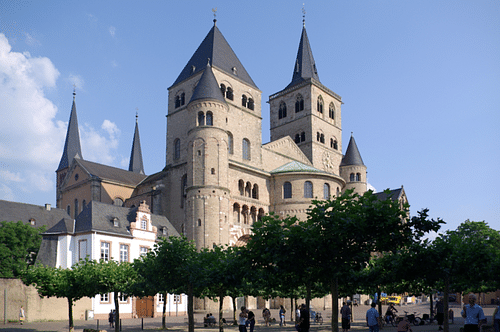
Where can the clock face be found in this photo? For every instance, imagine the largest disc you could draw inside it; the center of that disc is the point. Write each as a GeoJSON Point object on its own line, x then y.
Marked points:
{"type": "Point", "coordinates": [327, 162]}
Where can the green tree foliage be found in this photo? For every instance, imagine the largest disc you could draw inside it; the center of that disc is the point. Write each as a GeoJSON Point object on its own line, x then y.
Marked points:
{"type": "Point", "coordinates": [19, 244]}
{"type": "Point", "coordinates": [72, 284]}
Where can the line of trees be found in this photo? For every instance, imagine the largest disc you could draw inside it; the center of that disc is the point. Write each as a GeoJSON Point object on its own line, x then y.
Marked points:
{"type": "Point", "coordinates": [349, 244]}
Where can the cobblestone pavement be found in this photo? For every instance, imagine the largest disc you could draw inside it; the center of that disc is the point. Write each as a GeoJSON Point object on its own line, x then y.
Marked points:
{"type": "Point", "coordinates": [180, 323]}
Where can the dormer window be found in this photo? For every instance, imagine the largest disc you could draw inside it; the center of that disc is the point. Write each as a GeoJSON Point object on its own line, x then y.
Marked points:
{"type": "Point", "coordinates": [32, 222]}
{"type": "Point", "coordinates": [164, 231]}
{"type": "Point", "coordinates": [115, 222]}
{"type": "Point", "coordinates": [235, 71]}
{"type": "Point", "coordinates": [144, 223]}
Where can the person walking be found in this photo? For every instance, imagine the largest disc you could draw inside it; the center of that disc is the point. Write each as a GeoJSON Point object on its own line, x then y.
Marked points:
{"type": "Point", "coordinates": [22, 315]}
{"type": "Point", "coordinates": [282, 316]}
{"type": "Point", "coordinates": [473, 314]}
{"type": "Point", "coordinates": [242, 320]}
{"type": "Point", "coordinates": [496, 318]}
{"type": "Point", "coordinates": [345, 312]}
{"type": "Point", "coordinates": [372, 318]}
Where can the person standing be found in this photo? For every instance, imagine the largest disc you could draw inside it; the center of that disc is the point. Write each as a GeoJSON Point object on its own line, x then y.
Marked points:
{"type": "Point", "coordinates": [111, 318]}
{"type": "Point", "coordinates": [345, 312]}
{"type": "Point", "coordinates": [304, 322]}
{"type": "Point", "coordinates": [473, 314]}
{"type": "Point", "coordinates": [282, 316]}
{"type": "Point", "coordinates": [266, 314]}
{"type": "Point", "coordinates": [496, 318]}
{"type": "Point", "coordinates": [21, 315]}
{"type": "Point", "coordinates": [440, 313]}
{"type": "Point", "coordinates": [242, 320]}
{"type": "Point", "coordinates": [372, 318]}
{"type": "Point", "coordinates": [251, 320]}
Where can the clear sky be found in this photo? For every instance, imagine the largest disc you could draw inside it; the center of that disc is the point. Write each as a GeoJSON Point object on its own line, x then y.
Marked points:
{"type": "Point", "coordinates": [420, 82]}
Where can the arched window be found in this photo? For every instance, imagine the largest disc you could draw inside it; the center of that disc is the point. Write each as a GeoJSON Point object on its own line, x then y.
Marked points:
{"type": "Point", "coordinates": [246, 149]}
{"type": "Point", "coordinates": [76, 208]}
{"type": "Point", "coordinates": [199, 222]}
{"type": "Point", "coordinates": [282, 110]}
{"type": "Point", "coordinates": [255, 191]}
{"type": "Point", "coordinates": [68, 210]}
{"type": "Point", "coordinates": [229, 93]}
{"type": "Point", "coordinates": [303, 137]}
{"type": "Point", "coordinates": [201, 119]}
{"type": "Point", "coordinates": [248, 190]}
{"type": "Point", "coordinates": [177, 101]}
{"type": "Point", "coordinates": [253, 214]}
{"type": "Point", "coordinates": [223, 89]}
{"type": "Point", "coordinates": [331, 111]}
{"type": "Point", "coordinates": [177, 148]}
{"type": "Point", "coordinates": [261, 214]}
{"type": "Point", "coordinates": [318, 136]}
{"type": "Point", "coordinates": [183, 98]}
{"type": "Point", "coordinates": [351, 177]}
{"type": "Point", "coordinates": [308, 189]}
{"type": "Point", "coordinates": [358, 176]}
{"type": "Point", "coordinates": [244, 213]}
{"type": "Point", "coordinates": [236, 213]}
{"type": "Point", "coordinates": [287, 190]}
{"type": "Point", "coordinates": [241, 187]}
{"type": "Point", "coordinates": [320, 104]}
{"type": "Point", "coordinates": [251, 104]}
{"type": "Point", "coordinates": [297, 138]}
{"type": "Point", "coordinates": [244, 101]}
{"type": "Point", "coordinates": [84, 204]}
{"type": "Point", "coordinates": [322, 138]}
{"type": "Point", "coordinates": [230, 143]}
{"type": "Point", "coordinates": [338, 191]}
{"type": "Point", "coordinates": [326, 191]}
{"type": "Point", "coordinates": [331, 143]}
{"type": "Point", "coordinates": [210, 119]}
{"type": "Point", "coordinates": [299, 104]}
{"type": "Point", "coordinates": [334, 144]}
{"type": "Point", "coordinates": [183, 189]}
{"type": "Point", "coordinates": [118, 201]}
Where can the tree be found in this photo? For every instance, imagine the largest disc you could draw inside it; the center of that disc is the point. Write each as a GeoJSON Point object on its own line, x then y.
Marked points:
{"type": "Point", "coordinates": [19, 245]}
{"type": "Point", "coordinates": [350, 228]}
{"type": "Point", "coordinates": [114, 277]}
{"type": "Point", "coordinates": [72, 284]}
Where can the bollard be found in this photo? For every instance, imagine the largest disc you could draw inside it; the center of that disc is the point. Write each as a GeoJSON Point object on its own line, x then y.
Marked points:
{"type": "Point", "coordinates": [142, 323]}
{"type": "Point", "coordinates": [98, 325]}
{"type": "Point", "coordinates": [120, 324]}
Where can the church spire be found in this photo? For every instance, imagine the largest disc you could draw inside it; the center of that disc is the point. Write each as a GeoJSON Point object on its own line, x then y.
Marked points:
{"type": "Point", "coordinates": [72, 147]}
{"type": "Point", "coordinates": [136, 164]}
{"type": "Point", "coordinates": [207, 87]}
{"type": "Point", "coordinates": [352, 155]}
{"type": "Point", "coordinates": [305, 67]}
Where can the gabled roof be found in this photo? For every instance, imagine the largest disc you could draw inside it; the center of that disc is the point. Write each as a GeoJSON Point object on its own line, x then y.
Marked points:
{"type": "Point", "coordinates": [207, 87]}
{"type": "Point", "coordinates": [72, 147]}
{"type": "Point", "coordinates": [43, 216]}
{"type": "Point", "coordinates": [352, 155]}
{"type": "Point", "coordinates": [394, 194]}
{"type": "Point", "coordinates": [216, 48]}
{"type": "Point", "coordinates": [296, 166]}
{"type": "Point", "coordinates": [136, 164]}
{"type": "Point", "coordinates": [110, 173]}
{"type": "Point", "coordinates": [305, 67]}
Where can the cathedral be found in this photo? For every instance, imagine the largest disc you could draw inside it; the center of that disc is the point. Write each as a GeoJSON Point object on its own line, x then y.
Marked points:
{"type": "Point", "coordinates": [219, 178]}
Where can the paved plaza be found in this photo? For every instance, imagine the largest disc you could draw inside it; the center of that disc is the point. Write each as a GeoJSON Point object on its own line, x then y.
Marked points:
{"type": "Point", "coordinates": [180, 323]}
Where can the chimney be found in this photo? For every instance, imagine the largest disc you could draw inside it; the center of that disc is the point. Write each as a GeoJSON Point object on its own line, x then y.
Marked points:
{"type": "Point", "coordinates": [47, 207]}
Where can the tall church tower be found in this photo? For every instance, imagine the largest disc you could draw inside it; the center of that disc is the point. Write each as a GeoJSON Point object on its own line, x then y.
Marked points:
{"type": "Point", "coordinates": [214, 120]}
{"type": "Point", "coordinates": [352, 168]}
{"type": "Point", "coordinates": [72, 149]}
{"type": "Point", "coordinates": [309, 113]}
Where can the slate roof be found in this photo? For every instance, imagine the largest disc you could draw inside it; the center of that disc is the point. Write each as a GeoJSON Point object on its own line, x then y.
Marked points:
{"type": "Point", "coordinates": [14, 211]}
{"type": "Point", "coordinates": [136, 164]}
{"type": "Point", "coordinates": [394, 194]}
{"type": "Point", "coordinates": [352, 155]}
{"type": "Point", "coordinates": [207, 87]}
{"type": "Point", "coordinates": [296, 166]}
{"type": "Point", "coordinates": [221, 55]}
{"type": "Point", "coordinates": [305, 67]}
{"type": "Point", "coordinates": [111, 173]}
{"type": "Point", "coordinates": [72, 147]}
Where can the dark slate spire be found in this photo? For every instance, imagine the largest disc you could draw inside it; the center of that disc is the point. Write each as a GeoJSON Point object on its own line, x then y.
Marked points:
{"type": "Point", "coordinates": [207, 87]}
{"type": "Point", "coordinates": [216, 48]}
{"type": "Point", "coordinates": [352, 155]}
{"type": "Point", "coordinates": [72, 147]}
{"type": "Point", "coordinates": [135, 164]}
{"type": "Point", "coordinates": [305, 66]}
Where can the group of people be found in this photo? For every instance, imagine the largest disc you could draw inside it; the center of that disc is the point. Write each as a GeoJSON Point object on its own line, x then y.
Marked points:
{"type": "Point", "coordinates": [246, 319]}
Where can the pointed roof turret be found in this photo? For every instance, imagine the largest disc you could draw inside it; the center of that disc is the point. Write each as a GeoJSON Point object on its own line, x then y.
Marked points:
{"type": "Point", "coordinates": [207, 87]}
{"type": "Point", "coordinates": [136, 164]}
{"type": "Point", "coordinates": [305, 67]}
{"type": "Point", "coordinates": [352, 155]}
{"type": "Point", "coordinates": [216, 48]}
{"type": "Point", "coordinates": [72, 147]}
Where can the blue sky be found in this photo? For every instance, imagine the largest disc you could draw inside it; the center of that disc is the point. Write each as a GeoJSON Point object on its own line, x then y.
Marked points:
{"type": "Point", "coordinates": [420, 82]}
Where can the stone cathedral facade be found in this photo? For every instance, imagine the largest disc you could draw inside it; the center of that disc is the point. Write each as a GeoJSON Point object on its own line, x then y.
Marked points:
{"type": "Point", "coordinates": [219, 178]}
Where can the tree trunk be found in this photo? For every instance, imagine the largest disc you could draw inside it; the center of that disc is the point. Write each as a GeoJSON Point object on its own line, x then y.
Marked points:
{"type": "Point", "coordinates": [163, 317]}
{"type": "Point", "coordinates": [446, 325]}
{"type": "Point", "coordinates": [431, 311]}
{"type": "Point", "coordinates": [234, 308]}
{"type": "Point", "coordinates": [117, 316]}
{"type": "Point", "coordinates": [379, 302]}
{"type": "Point", "coordinates": [291, 309]}
{"type": "Point", "coordinates": [308, 295]}
{"type": "Point", "coordinates": [335, 304]}
{"type": "Point", "coordinates": [221, 301]}
{"type": "Point", "coordinates": [190, 308]}
{"type": "Point", "coordinates": [70, 314]}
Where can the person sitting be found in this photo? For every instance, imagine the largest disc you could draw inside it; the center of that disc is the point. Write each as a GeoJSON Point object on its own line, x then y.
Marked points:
{"type": "Point", "coordinates": [404, 325]}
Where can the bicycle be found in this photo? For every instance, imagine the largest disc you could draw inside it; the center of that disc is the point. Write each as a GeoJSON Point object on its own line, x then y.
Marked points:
{"type": "Point", "coordinates": [318, 318]}
{"type": "Point", "coordinates": [411, 318]}
{"type": "Point", "coordinates": [389, 319]}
